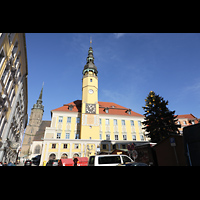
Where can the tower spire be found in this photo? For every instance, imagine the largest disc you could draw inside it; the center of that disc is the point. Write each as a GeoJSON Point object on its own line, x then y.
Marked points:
{"type": "Point", "coordinates": [39, 101]}
{"type": "Point", "coordinates": [40, 97]}
{"type": "Point", "coordinates": [90, 41]}
{"type": "Point", "coordinates": [90, 66]}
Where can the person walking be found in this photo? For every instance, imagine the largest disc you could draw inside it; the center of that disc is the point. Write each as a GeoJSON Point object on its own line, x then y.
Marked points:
{"type": "Point", "coordinates": [75, 161]}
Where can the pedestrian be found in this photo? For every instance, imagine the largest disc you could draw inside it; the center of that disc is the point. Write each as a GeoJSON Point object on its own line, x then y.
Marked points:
{"type": "Point", "coordinates": [75, 161]}
{"type": "Point", "coordinates": [1, 164]}
{"type": "Point", "coordinates": [5, 164]}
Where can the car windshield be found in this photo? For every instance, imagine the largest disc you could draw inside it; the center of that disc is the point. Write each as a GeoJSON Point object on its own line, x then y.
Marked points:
{"type": "Point", "coordinates": [109, 159]}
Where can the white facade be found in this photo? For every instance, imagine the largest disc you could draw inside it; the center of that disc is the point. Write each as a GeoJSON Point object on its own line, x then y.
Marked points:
{"type": "Point", "coordinates": [13, 94]}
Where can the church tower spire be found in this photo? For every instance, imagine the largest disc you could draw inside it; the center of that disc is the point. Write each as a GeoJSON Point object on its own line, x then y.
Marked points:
{"type": "Point", "coordinates": [39, 105]}
{"type": "Point", "coordinates": [35, 121]}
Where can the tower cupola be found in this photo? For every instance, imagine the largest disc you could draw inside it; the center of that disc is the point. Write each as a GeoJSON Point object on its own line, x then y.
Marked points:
{"type": "Point", "coordinates": [90, 66]}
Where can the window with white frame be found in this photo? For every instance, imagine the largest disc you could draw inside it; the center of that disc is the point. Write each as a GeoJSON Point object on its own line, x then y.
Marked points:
{"type": "Point", "coordinates": [68, 119]}
{"type": "Point", "coordinates": [107, 122]}
{"type": "Point", "coordinates": [124, 137]}
{"type": "Point", "coordinates": [60, 119]}
{"type": "Point", "coordinates": [5, 74]}
{"type": "Point", "coordinates": [116, 137]}
{"type": "Point", "coordinates": [76, 146]}
{"type": "Point", "coordinates": [107, 136]}
{"type": "Point", "coordinates": [123, 123]}
{"type": "Point", "coordinates": [133, 137]}
{"type": "Point", "coordinates": [2, 57]}
{"type": "Point", "coordinates": [67, 135]}
{"type": "Point", "coordinates": [58, 135]}
{"type": "Point", "coordinates": [115, 122]}
{"type": "Point", "coordinates": [142, 137]}
{"type": "Point", "coordinates": [132, 123]}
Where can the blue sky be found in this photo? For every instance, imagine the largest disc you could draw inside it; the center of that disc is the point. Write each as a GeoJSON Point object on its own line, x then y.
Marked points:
{"type": "Point", "coordinates": [130, 65]}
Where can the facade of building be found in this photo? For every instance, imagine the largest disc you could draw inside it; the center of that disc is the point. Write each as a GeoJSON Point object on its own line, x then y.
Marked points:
{"type": "Point", "coordinates": [186, 120]}
{"type": "Point", "coordinates": [37, 143]}
{"type": "Point", "coordinates": [33, 126]}
{"type": "Point", "coordinates": [86, 127]}
{"type": "Point", "coordinates": [13, 94]}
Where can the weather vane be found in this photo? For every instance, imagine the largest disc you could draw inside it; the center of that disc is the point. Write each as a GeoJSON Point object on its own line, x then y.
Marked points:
{"type": "Point", "coordinates": [90, 40]}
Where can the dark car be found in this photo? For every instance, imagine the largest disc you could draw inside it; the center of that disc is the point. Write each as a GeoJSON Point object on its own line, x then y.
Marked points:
{"type": "Point", "coordinates": [133, 164]}
{"type": "Point", "coordinates": [36, 160]}
{"type": "Point", "coordinates": [52, 163]}
{"type": "Point", "coordinates": [28, 163]}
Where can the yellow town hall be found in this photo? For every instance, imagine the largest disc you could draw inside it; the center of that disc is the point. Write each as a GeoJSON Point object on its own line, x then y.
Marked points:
{"type": "Point", "coordinates": [87, 127]}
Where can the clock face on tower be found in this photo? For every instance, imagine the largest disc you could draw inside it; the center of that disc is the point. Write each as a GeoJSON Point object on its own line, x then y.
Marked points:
{"type": "Point", "coordinates": [90, 108]}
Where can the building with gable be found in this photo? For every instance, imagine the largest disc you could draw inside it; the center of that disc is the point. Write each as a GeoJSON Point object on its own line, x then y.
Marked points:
{"type": "Point", "coordinates": [186, 120]}
{"type": "Point", "coordinates": [86, 127]}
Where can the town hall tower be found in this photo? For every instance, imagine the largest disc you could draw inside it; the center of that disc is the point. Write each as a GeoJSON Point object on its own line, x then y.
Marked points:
{"type": "Point", "coordinates": [90, 108]}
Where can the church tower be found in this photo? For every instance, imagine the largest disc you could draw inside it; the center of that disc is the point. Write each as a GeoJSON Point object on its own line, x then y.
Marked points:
{"type": "Point", "coordinates": [33, 126]}
{"type": "Point", "coordinates": [90, 107]}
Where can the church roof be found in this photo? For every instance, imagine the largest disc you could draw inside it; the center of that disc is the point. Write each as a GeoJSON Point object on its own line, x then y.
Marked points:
{"type": "Point", "coordinates": [40, 133]}
{"type": "Point", "coordinates": [113, 108]}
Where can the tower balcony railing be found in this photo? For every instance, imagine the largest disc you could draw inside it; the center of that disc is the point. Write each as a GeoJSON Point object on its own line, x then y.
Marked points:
{"type": "Point", "coordinates": [90, 75]}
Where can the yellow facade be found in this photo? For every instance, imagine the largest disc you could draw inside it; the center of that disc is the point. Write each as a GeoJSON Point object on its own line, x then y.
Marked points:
{"type": "Point", "coordinates": [84, 130]}
{"type": "Point", "coordinates": [89, 122]}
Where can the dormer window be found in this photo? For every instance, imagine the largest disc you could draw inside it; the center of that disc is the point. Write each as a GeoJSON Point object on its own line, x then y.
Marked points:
{"type": "Point", "coordinates": [106, 110]}
{"type": "Point", "coordinates": [128, 111]}
{"type": "Point", "coordinates": [71, 107]}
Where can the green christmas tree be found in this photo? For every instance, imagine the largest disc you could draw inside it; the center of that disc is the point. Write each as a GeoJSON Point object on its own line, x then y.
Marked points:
{"type": "Point", "coordinates": [159, 120]}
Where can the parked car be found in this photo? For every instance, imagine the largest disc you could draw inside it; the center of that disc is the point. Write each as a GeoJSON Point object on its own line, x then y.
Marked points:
{"type": "Point", "coordinates": [108, 160]}
{"type": "Point", "coordinates": [52, 163]}
{"type": "Point", "coordinates": [36, 160]}
{"type": "Point", "coordinates": [11, 164]}
{"type": "Point", "coordinates": [133, 164]}
{"type": "Point", "coordinates": [28, 163]}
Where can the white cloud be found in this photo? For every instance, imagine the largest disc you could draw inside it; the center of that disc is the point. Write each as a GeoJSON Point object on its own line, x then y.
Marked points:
{"type": "Point", "coordinates": [193, 88]}
{"type": "Point", "coordinates": [111, 95]}
{"type": "Point", "coordinates": [118, 35]}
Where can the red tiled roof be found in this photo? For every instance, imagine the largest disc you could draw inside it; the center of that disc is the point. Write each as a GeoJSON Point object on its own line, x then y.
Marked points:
{"type": "Point", "coordinates": [114, 109]}
{"type": "Point", "coordinates": [187, 116]}
{"type": "Point", "coordinates": [76, 107]}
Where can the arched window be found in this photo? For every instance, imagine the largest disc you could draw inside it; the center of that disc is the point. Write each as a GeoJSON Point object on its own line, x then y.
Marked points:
{"type": "Point", "coordinates": [64, 156]}
{"type": "Point", "coordinates": [52, 156]}
{"type": "Point", "coordinates": [37, 149]}
{"type": "Point", "coordinates": [76, 155]}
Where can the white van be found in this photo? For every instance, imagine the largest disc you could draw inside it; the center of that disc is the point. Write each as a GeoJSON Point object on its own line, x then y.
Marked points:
{"type": "Point", "coordinates": [108, 160]}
